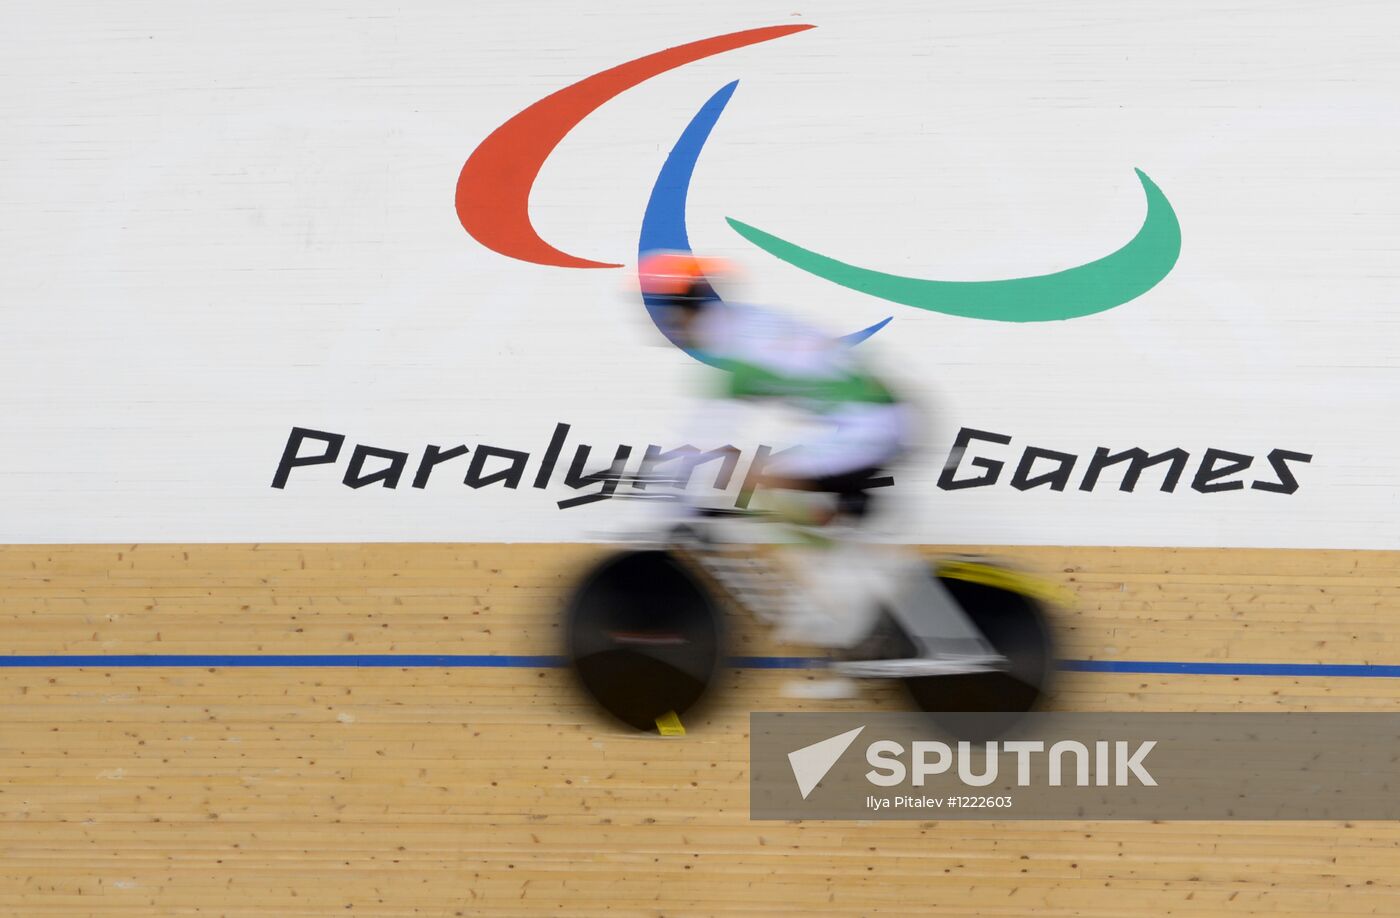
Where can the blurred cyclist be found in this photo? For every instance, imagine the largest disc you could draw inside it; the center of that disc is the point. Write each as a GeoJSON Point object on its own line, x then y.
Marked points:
{"type": "Point", "coordinates": [861, 429]}
{"type": "Point", "coordinates": [862, 426]}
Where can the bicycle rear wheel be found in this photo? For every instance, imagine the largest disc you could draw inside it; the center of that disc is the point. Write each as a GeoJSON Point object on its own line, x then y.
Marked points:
{"type": "Point", "coordinates": [1018, 627]}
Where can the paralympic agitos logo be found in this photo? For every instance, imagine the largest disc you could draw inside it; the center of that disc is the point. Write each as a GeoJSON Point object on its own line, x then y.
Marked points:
{"type": "Point", "coordinates": [494, 187]}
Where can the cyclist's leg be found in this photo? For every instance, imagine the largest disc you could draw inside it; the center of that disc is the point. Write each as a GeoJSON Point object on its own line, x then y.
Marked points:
{"type": "Point", "coordinates": [848, 584]}
{"type": "Point", "coordinates": [830, 476]}
{"type": "Point", "coordinates": [845, 459]}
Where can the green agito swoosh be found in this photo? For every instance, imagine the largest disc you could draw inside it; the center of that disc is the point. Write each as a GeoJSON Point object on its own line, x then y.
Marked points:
{"type": "Point", "coordinates": [1084, 290]}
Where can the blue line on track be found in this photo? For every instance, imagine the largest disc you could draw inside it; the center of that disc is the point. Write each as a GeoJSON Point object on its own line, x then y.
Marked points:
{"type": "Point", "coordinates": [779, 662]}
{"type": "Point", "coordinates": [546, 661]}
{"type": "Point", "coordinates": [1370, 670]}
{"type": "Point", "coordinates": [356, 660]}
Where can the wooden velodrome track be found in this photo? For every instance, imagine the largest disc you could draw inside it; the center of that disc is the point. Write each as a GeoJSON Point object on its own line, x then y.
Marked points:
{"type": "Point", "coordinates": [298, 791]}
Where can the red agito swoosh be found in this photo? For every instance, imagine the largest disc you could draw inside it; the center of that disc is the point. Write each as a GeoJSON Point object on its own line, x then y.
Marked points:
{"type": "Point", "coordinates": [493, 191]}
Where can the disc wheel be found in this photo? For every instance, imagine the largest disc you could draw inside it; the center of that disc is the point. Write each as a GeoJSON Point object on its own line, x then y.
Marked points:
{"type": "Point", "coordinates": [644, 638]}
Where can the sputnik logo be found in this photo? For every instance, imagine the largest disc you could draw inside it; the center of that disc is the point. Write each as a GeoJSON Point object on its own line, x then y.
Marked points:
{"type": "Point", "coordinates": [811, 763]}
{"type": "Point", "coordinates": [493, 194]}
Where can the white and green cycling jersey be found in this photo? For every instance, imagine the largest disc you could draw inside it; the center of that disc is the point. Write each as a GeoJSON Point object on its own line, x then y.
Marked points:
{"type": "Point", "coordinates": [767, 355]}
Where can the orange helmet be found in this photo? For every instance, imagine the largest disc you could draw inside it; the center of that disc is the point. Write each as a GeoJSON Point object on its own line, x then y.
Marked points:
{"type": "Point", "coordinates": [678, 274]}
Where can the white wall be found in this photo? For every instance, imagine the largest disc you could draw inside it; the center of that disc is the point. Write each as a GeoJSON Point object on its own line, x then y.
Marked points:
{"type": "Point", "coordinates": [226, 220]}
